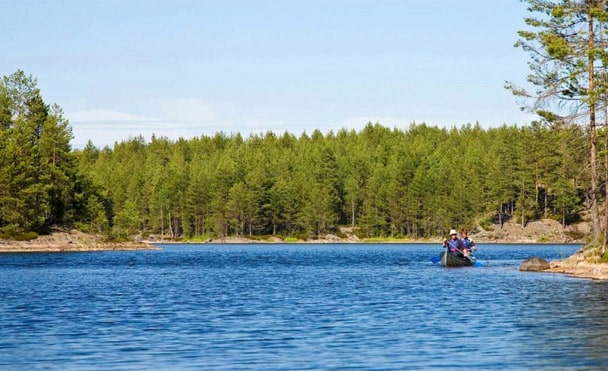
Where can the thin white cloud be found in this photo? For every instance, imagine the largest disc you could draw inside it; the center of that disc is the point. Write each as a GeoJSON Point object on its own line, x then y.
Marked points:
{"type": "Point", "coordinates": [102, 115]}
{"type": "Point", "coordinates": [105, 127]}
{"type": "Point", "coordinates": [188, 118]}
{"type": "Point", "coordinates": [178, 118]}
{"type": "Point", "coordinates": [188, 110]}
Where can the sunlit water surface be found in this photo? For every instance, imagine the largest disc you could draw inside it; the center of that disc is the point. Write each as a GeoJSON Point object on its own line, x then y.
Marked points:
{"type": "Point", "coordinates": [357, 306]}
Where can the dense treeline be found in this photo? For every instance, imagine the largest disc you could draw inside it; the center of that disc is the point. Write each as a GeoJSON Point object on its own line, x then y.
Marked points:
{"type": "Point", "coordinates": [416, 182]}
{"type": "Point", "coordinates": [37, 168]}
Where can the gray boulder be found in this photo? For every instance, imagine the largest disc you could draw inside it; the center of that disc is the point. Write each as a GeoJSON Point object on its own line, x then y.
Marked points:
{"type": "Point", "coordinates": [534, 265]}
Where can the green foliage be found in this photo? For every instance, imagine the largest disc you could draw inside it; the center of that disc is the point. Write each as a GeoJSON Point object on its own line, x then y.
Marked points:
{"type": "Point", "coordinates": [575, 235]}
{"type": "Point", "coordinates": [12, 232]}
{"type": "Point", "coordinates": [126, 221]}
{"type": "Point", "coordinates": [486, 223]}
{"type": "Point", "coordinates": [390, 183]}
{"type": "Point", "coordinates": [36, 158]}
{"type": "Point", "coordinates": [27, 236]}
{"type": "Point", "coordinates": [568, 68]}
{"type": "Point", "coordinates": [412, 183]}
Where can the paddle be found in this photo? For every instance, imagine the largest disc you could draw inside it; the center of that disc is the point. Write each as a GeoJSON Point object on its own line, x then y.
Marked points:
{"type": "Point", "coordinates": [472, 259]}
{"type": "Point", "coordinates": [436, 259]}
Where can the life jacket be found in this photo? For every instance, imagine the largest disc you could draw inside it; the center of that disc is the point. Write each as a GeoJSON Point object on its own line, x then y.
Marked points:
{"type": "Point", "coordinates": [467, 243]}
{"type": "Point", "coordinates": [454, 245]}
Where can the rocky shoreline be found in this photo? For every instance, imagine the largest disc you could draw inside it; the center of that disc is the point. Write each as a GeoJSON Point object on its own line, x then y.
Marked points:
{"type": "Point", "coordinates": [110, 246]}
{"type": "Point", "coordinates": [579, 265]}
{"type": "Point", "coordinates": [542, 231]}
{"type": "Point", "coordinates": [70, 241]}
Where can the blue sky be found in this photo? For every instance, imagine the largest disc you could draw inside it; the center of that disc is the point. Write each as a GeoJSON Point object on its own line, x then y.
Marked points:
{"type": "Point", "coordinates": [183, 68]}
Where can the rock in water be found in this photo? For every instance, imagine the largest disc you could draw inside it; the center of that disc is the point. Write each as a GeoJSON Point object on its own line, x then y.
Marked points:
{"type": "Point", "coordinates": [534, 265]}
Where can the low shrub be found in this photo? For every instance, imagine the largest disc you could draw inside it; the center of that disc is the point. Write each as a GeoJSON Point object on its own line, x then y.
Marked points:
{"type": "Point", "coordinates": [26, 236]}
{"type": "Point", "coordinates": [575, 235]}
{"type": "Point", "coordinates": [486, 223]}
{"type": "Point", "coordinates": [12, 232]}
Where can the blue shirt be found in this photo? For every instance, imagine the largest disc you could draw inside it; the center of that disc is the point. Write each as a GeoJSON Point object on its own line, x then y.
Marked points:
{"type": "Point", "coordinates": [467, 243]}
{"type": "Point", "coordinates": [454, 245]}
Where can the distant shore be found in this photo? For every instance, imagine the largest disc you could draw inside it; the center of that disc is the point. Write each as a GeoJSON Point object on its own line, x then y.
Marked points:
{"type": "Point", "coordinates": [546, 231]}
{"type": "Point", "coordinates": [11, 247]}
{"type": "Point", "coordinates": [70, 241]}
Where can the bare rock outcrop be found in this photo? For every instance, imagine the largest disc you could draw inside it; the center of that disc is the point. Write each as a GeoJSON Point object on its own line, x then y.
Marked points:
{"type": "Point", "coordinates": [69, 240]}
{"type": "Point", "coordinates": [534, 265]}
{"type": "Point", "coordinates": [583, 264]}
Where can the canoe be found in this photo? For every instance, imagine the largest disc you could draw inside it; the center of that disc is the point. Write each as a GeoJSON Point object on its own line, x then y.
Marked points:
{"type": "Point", "coordinates": [454, 260]}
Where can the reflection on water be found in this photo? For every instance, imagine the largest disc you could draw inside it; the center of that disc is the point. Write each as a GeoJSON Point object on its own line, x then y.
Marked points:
{"type": "Point", "coordinates": [295, 307]}
{"type": "Point", "coordinates": [592, 313]}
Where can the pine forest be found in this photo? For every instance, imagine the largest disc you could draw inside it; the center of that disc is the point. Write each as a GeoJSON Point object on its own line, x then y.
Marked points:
{"type": "Point", "coordinates": [414, 182]}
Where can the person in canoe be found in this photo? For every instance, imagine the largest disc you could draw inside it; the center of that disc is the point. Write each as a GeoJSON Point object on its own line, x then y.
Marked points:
{"type": "Point", "coordinates": [468, 244]}
{"type": "Point", "coordinates": [455, 254]}
{"type": "Point", "coordinates": [454, 244]}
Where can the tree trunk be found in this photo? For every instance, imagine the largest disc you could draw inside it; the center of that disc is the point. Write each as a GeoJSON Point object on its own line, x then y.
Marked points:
{"type": "Point", "coordinates": [353, 211]}
{"type": "Point", "coordinates": [605, 181]}
{"type": "Point", "coordinates": [500, 217]}
{"type": "Point", "coordinates": [523, 208]}
{"type": "Point", "coordinates": [162, 224]}
{"type": "Point", "coordinates": [593, 136]}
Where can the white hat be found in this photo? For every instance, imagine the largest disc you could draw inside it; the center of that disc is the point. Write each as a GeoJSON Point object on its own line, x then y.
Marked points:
{"type": "Point", "coordinates": [453, 231]}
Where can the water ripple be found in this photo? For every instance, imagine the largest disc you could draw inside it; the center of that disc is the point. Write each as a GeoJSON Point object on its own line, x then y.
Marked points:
{"type": "Point", "coordinates": [302, 307]}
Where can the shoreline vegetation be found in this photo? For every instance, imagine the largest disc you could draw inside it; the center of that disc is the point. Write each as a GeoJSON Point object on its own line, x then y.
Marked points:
{"type": "Point", "coordinates": [580, 265]}
{"type": "Point", "coordinates": [542, 231]}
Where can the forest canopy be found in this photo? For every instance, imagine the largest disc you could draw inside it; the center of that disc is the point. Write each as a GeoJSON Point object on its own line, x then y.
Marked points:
{"type": "Point", "coordinates": [414, 182]}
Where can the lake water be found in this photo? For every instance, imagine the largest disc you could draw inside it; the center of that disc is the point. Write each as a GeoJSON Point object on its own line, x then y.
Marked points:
{"type": "Point", "coordinates": [300, 306]}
